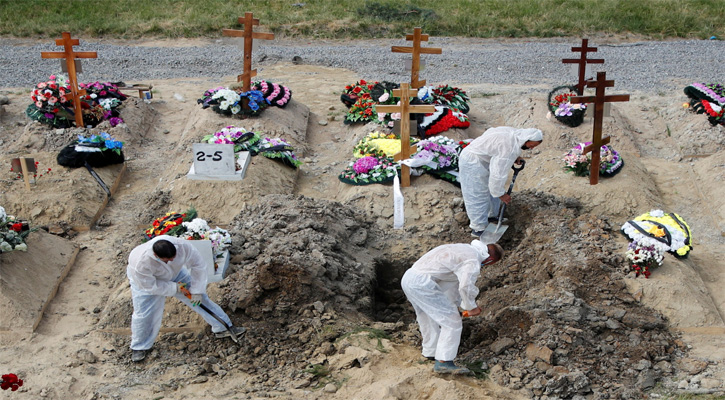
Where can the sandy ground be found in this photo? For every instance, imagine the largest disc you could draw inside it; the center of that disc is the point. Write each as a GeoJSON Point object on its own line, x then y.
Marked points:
{"type": "Point", "coordinates": [674, 160]}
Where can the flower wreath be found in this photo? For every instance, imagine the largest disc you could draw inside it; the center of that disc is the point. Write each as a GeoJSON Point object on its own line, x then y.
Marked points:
{"type": "Point", "coordinates": [379, 144]}
{"type": "Point", "coordinates": [170, 224]}
{"type": "Point", "coordinates": [361, 99]}
{"type": "Point", "coordinates": [13, 233]}
{"type": "Point", "coordinates": [276, 94]}
{"type": "Point", "coordinates": [97, 151]}
{"type": "Point", "coordinates": [229, 102]}
{"type": "Point", "coordinates": [564, 111]}
{"type": "Point", "coordinates": [708, 99]}
{"type": "Point", "coordinates": [279, 149]}
{"type": "Point", "coordinates": [665, 231]}
{"type": "Point", "coordinates": [52, 104]}
{"type": "Point", "coordinates": [445, 95]}
{"type": "Point", "coordinates": [188, 226]}
{"type": "Point", "coordinates": [242, 139]}
{"type": "Point", "coordinates": [438, 156]}
{"type": "Point", "coordinates": [368, 170]}
{"type": "Point", "coordinates": [443, 119]}
{"type": "Point", "coordinates": [609, 165]}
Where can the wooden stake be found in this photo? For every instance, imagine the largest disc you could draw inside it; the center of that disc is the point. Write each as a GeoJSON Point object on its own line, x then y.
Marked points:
{"type": "Point", "coordinates": [70, 57]}
{"type": "Point", "coordinates": [26, 172]}
{"type": "Point", "coordinates": [598, 99]}
{"type": "Point", "coordinates": [416, 50]}
{"type": "Point", "coordinates": [405, 109]}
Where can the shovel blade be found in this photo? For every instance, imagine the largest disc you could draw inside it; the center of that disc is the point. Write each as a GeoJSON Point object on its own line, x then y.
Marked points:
{"type": "Point", "coordinates": [491, 235]}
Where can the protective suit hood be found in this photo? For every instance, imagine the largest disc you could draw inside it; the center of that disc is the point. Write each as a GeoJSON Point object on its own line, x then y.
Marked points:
{"type": "Point", "coordinates": [524, 135]}
{"type": "Point", "coordinates": [481, 248]}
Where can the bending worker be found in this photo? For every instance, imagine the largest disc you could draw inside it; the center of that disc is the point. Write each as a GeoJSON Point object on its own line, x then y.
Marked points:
{"type": "Point", "coordinates": [156, 271]}
{"type": "Point", "coordinates": [436, 285]}
{"type": "Point", "coordinates": [483, 168]}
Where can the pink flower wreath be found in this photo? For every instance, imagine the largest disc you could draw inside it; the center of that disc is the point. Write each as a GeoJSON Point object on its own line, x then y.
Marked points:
{"type": "Point", "coordinates": [275, 93]}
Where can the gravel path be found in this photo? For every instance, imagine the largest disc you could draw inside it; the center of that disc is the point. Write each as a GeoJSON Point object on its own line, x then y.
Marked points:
{"type": "Point", "coordinates": [645, 66]}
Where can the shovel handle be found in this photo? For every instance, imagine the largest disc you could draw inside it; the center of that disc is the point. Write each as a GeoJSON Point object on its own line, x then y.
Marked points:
{"type": "Point", "coordinates": [520, 166]}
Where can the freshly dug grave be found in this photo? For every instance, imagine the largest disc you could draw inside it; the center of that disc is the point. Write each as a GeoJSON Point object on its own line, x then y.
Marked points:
{"type": "Point", "coordinates": [558, 321]}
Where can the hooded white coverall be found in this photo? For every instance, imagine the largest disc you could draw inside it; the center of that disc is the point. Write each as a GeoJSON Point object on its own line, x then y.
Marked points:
{"type": "Point", "coordinates": [152, 280]}
{"type": "Point", "coordinates": [484, 168]}
{"type": "Point", "coordinates": [437, 284]}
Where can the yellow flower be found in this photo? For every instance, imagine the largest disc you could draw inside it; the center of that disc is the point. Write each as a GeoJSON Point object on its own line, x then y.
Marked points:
{"type": "Point", "coordinates": [685, 105]}
{"type": "Point", "coordinates": [657, 231]}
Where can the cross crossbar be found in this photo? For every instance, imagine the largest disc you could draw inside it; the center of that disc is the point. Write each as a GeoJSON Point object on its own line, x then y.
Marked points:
{"type": "Point", "coordinates": [600, 85]}
{"type": "Point", "coordinates": [405, 109]}
{"type": "Point", "coordinates": [70, 57]}
{"type": "Point", "coordinates": [416, 50]}
{"type": "Point", "coordinates": [582, 61]}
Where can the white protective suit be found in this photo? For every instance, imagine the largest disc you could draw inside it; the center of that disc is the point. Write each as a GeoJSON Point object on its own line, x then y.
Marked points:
{"type": "Point", "coordinates": [484, 168]}
{"type": "Point", "coordinates": [437, 284]}
{"type": "Point", "coordinates": [152, 280]}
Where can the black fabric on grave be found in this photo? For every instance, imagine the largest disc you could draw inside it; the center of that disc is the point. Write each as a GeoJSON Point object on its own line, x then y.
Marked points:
{"type": "Point", "coordinates": [69, 157]}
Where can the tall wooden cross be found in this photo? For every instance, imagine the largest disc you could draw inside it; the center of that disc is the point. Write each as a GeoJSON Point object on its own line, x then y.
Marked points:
{"type": "Point", "coordinates": [598, 99]}
{"type": "Point", "coordinates": [416, 50]}
{"type": "Point", "coordinates": [70, 57]}
{"type": "Point", "coordinates": [583, 61]}
{"type": "Point", "coordinates": [405, 109]}
{"type": "Point", "coordinates": [249, 35]}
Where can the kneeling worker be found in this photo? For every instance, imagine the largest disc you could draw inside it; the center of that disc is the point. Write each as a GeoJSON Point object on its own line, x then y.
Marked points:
{"type": "Point", "coordinates": [156, 271]}
{"type": "Point", "coordinates": [436, 285]}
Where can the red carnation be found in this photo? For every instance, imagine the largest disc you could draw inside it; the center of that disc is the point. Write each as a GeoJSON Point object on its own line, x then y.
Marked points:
{"type": "Point", "coordinates": [10, 381]}
{"type": "Point", "coordinates": [357, 89]}
{"type": "Point", "coordinates": [362, 82]}
{"type": "Point", "coordinates": [17, 227]}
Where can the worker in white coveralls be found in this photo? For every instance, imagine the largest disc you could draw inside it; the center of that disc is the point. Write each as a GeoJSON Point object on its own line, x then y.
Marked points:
{"type": "Point", "coordinates": [483, 168]}
{"type": "Point", "coordinates": [440, 282]}
{"type": "Point", "coordinates": [158, 269]}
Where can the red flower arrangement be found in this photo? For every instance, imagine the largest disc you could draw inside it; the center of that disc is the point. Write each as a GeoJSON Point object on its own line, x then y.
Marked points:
{"type": "Point", "coordinates": [163, 225]}
{"type": "Point", "coordinates": [10, 381]}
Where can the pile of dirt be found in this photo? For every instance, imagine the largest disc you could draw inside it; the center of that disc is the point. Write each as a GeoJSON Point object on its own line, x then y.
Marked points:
{"type": "Point", "coordinates": [558, 319]}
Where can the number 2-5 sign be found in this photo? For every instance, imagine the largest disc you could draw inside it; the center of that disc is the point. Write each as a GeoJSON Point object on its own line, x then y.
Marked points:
{"type": "Point", "coordinates": [213, 159]}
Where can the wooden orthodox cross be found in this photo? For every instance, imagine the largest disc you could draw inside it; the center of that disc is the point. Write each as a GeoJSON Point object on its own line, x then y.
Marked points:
{"type": "Point", "coordinates": [249, 35]}
{"type": "Point", "coordinates": [416, 50]}
{"type": "Point", "coordinates": [405, 109]}
{"type": "Point", "coordinates": [583, 61]}
{"type": "Point", "coordinates": [598, 99]}
{"type": "Point", "coordinates": [70, 57]}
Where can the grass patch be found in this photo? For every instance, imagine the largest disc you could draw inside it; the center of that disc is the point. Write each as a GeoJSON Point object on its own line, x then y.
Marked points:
{"type": "Point", "coordinates": [318, 370]}
{"type": "Point", "coordinates": [372, 334]}
{"type": "Point", "coordinates": [477, 369]}
{"type": "Point", "coordinates": [654, 19]}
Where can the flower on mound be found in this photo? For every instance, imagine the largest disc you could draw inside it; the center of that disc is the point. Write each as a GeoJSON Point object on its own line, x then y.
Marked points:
{"type": "Point", "coordinates": [188, 226]}
{"type": "Point", "coordinates": [667, 232]}
{"type": "Point", "coordinates": [230, 101]}
{"type": "Point", "coordinates": [52, 103]}
{"type": "Point", "coordinates": [369, 169]}
{"type": "Point", "coordinates": [13, 233]}
{"type": "Point", "coordinates": [560, 105]}
{"type": "Point", "coordinates": [610, 162]}
{"type": "Point", "coordinates": [643, 258]}
{"type": "Point", "coordinates": [379, 144]}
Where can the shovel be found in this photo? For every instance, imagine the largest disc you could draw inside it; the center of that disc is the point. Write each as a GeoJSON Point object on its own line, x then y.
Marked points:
{"type": "Point", "coordinates": [187, 293]}
{"type": "Point", "coordinates": [492, 234]}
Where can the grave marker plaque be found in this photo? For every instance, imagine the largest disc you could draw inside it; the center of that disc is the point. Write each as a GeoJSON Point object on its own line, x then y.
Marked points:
{"type": "Point", "coordinates": [217, 162]}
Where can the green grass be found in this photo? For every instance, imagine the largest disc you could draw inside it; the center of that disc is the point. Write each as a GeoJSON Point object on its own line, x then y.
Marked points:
{"type": "Point", "coordinates": [127, 19]}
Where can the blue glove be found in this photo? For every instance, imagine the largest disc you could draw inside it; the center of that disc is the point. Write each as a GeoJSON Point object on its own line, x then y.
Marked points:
{"type": "Point", "coordinates": [195, 300]}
